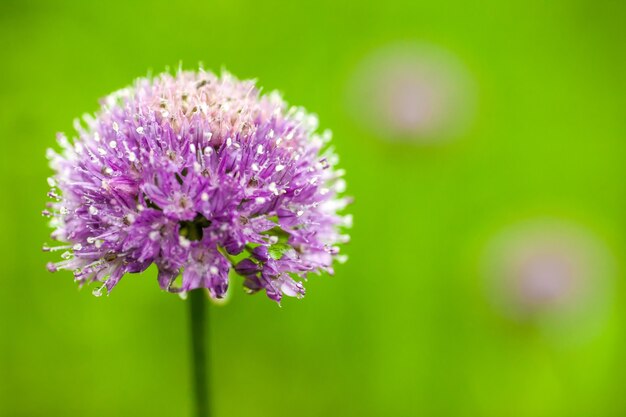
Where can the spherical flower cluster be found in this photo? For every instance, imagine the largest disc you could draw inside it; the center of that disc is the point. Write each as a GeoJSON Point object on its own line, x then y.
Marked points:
{"type": "Point", "coordinates": [198, 174]}
{"type": "Point", "coordinates": [418, 93]}
{"type": "Point", "coordinates": [549, 272]}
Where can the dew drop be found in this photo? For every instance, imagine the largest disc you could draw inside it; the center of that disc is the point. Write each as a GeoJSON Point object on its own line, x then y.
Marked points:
{"type": "Point", "coordinates": [340, 185]}
{"type": "Point", "coordinates": [184, 242]}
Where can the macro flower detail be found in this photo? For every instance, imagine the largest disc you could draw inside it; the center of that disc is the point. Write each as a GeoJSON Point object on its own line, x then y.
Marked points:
{"type": "Point", "coordinates": [198, 174]}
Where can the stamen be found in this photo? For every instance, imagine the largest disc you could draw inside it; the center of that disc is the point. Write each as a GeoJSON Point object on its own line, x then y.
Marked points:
{"type": "Point", "coordinates": [47, 248]}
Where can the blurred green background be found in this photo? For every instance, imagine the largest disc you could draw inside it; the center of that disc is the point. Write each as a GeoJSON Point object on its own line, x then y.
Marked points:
{"type": "Point", "coordinates": [406, 327]}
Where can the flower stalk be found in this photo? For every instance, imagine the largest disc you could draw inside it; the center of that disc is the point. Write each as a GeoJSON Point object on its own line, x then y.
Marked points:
{"type": "Point", "coordinates": [199, 352]}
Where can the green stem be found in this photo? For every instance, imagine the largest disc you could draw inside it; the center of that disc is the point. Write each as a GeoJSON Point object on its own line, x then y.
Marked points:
{"type": "Point", "coordinates": [227, 256]}
{"type": "Point", "coordinates": [199, 353]}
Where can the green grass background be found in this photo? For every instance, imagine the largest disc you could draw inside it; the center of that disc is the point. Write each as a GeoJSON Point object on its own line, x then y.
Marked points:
{"type": "Point", "coordinates": [404, 328]}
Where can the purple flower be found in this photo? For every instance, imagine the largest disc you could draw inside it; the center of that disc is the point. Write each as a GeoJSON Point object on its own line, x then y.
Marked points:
{"type": "Point", "coordinates": [551, 273]}
{"type": "Point", "coordinates": [418, 93]}
{"type": "Point", "coordinates": [200, 175]}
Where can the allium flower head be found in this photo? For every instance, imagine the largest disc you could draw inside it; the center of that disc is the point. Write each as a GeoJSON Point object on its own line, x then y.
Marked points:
{"type": "Point", "coordinates": [419, 93]}
{"type": "Point", "coordinates": [551, 273]}
{"type": "Point", "coordinates": [198, 174]}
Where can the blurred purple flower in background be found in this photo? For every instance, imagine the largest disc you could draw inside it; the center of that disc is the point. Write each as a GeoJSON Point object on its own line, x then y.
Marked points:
{"type": "Point", "coordinates": [198, 174]}
{"type": "Point", "coordinates": [550, 273]}
{"type": "Point", "coordinates": [413, 92]}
